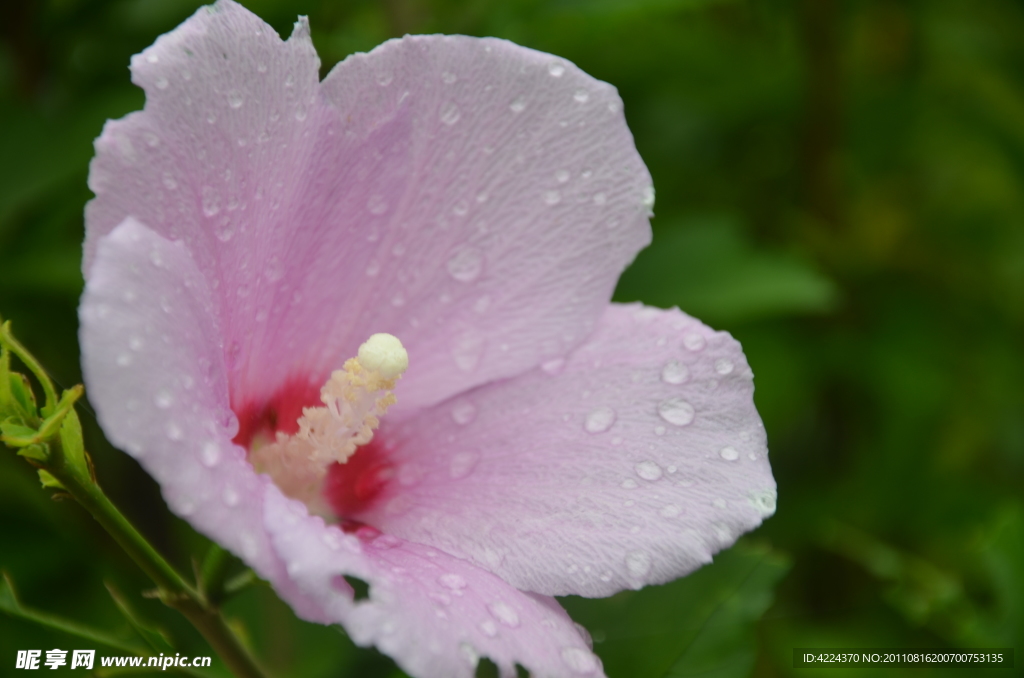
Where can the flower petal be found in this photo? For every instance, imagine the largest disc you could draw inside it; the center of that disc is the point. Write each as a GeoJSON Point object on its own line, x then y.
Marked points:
{"type": "Point", "coordinates": [629, 464]}
{"type": "Point", "coordinates": [152, 358]}
{"type": "Point", "coordinates": [434, 614]}
{"type": "Point", "coordinates": [474, 198]}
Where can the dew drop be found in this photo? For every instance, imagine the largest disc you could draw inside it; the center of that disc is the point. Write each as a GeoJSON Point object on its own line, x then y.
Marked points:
{"type": "Point", "coordinates": [135, 343]}
{"type": "Point", "coordinates": [124, 359]}
{"type": "Point", "coordinates": [599, 420]}
{"type": "Point", "coordinates": [648, 470]}
{"type": "Point", "coordinates": [600, 199]}
{"type": "Point", "coordinates": [449, 78]}
{"type": "Point", "coordinates": [211, 201]}
{"type": "Point", "coordinates": [161, 83]}
{"type": "Point", "coordinates": [579, 660]}
{"type": "Point", "coordinates": [462, 464]}
{"type": "Point", "coordinates": [174, 431]}
{"type": "Point", "coordinates": [373, 268]}
{"type": "Point", "coordinates": [629, 484]}
{"type": "Point", "coordinates": [384, 79]}
{"type": "Point", "coordinates": [648, 197]}
{"type": "Point", "coordinates": [556, 70]}
{"type": "Point", "coordinates": [638, 563]}
{"type": "Point", "coordinates": [729, 453]}
{"type": "Point", "coordinates": [300, 113]}
{"type": "Point", "coordinates": [450, 114]}
{"type": "Point", "coordinates": [554, 366]}
{"type": "Point", "coordinates": [235, 99]}
{"type": "Point", "coordinates": [581, 96]}
{"type": "Point", "coordinates": [505, 614]}
{"type": "Point", "coordinates": [465, 264]}
{"type": "Point", "coordinates": [376, 205]}
{"type": "Point", "coordinates": [467, 351]}
{"type": "Point", "coordinates": [694, 341]}
{"type": "Point", "coordinates": [463, 412]}
{"type": "Point", "coordinates": [488, 627]}
{"type": "Point", "coordinates": [552, 197]}
{"type": "Point", "coordinates": [518, 106]}
{"type": "Point", "coordinates": [169, 183]}
{"type": "Point", "coordinates": [209, 455]}
{"type": "Point", "coordinates": [676, 411]}
{"type": "Point", "coordinates": [723, 366]}
{"type": "Point", "coordinates": [152, 58]}
{"type": "Point", "coordinates": [764, 501]}
{"type": "Point", "coordinates": [562, 176]}
{"type": "Point", "coordinates": [670, 511]}
{"type": "Point", "coordinates": [452, 581]}
{"type": "Point", "coordinates": [675, 372]}
{"type": "Point", "coordinates": [163, 399]}
{"type": "Point", "coordinates": [230, 496]}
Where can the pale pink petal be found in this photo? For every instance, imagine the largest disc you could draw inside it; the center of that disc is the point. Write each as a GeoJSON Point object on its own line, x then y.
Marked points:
{"type": "Point", "coordinates": [155, 368]}
{"type": "Point", "coordinates": [630, 464]}
{"type": "Point", "coordinates": [434, 614]}
{"type": "Point", "coordinates": [474, 198]}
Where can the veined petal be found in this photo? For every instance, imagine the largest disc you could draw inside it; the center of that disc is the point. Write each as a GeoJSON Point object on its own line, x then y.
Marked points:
{"type": "Point", "coordinates": [434, 614]}
{"type": "Point", "coordinates": [152, 357]}
{"type": "Point", "coordinates": [631, 463]}
{"type": "Point", "coordinates": [474, 198]}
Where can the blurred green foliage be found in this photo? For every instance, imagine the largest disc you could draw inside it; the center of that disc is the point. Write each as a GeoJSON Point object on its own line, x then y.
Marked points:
{"type": "Point", "coordinates": [840, 184]}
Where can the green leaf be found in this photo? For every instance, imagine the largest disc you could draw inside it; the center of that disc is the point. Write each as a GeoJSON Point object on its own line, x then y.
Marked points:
{"type": "Point", "coordinates": [47, 479]}
{"type": "Point", "coordinates": [704, 266]}
{"type": "Point", "coordinates": [72, 444]}
{"type": "Point", "coordinates": [155, 637]}
{"type": "Point", "coordinates": [702, 623]}
{"type": "Point", "coordinates": [14, 434]}
{"type": "Point", "coordinates": [9, 604]}
{"type": "Point", "coordinates": [24, 398]}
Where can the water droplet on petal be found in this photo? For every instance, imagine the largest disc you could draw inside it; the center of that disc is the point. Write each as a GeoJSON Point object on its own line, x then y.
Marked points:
{"type": "Point", "coordinates": [505, 614]}
{"type": "Point", "coordinates": [376, 205]}
{"type": "Point", "coordinates": [629, 484]}
{"type": "Point", "coordinates": [373, 268]}
{"type": "Point", "coordinates": [764, 501]}
{"type": "Point", "coordinates": [209, 454]}
{"type": "Point", "coordinates": [554, 366]}
{"type": "Point", "coordinates": [235, 99]}
{"type": "Point", "coordinates": [729, 453]}
{"type": "Point", "coordinates": [452, 581]}
{"type": "Point", "coordinates": [211, 201]}
{"type": "Point", "coordinates": [675, 372]}
{"type": "Point", "coordinates": [462, 464]}
{"type": "Point", "coordinates": [465, 264]}
{"type": "Point", "coordinates": [638, 563]}
{"type": "Point", "coordinates": [694, 341]}
{"type": "Point", "coordinates": [163, 399]}
{"type": "Point", "coordinates": [161, 83]}
{"type": "Point", "coordinates": [556, 69]}
{"type": "Point", "coordinates": [552, 197]}
{"type": "Point", "coordinates": [648, 470]}
{"type": "Point", "coordinates": [448, 78]}
{"type": "Point", "coordinates": [489, 628]}
{"type": "Point", "coordinates": [723, 366]}
{"type": "Point", "coordinates": [230, 496]}
{"type": "Point", "coordinates": [463, 412]}
{"type": "Point", "coordinates": [579, 660]}
{"type": "Point", "coordinates": [599, 420]}
{"type": "Point", "coordinates": [518, 106]}
{"type": "Point", "coordinates": [676, 411]}
{"type": "Point", "coordinates": [450, 114]}
{"type": "Point", "coordinates": [670, 511]}
{"type": "Point", "coordinates": [467, 351]}
{"type": "Point", "coordinates": [174, 431]}
{"type": "Point", "coordinates": [562, 176]}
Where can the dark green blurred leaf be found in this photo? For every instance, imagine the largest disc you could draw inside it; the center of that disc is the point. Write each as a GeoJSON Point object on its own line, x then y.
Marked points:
{"type": "Point", "coordinates": [701, 624]}
{"type": "Point", "coordinates": [155, 637]}
{"type": "Point", "coordinates": [9, 603]}
{"type": "Point", "coordinates": [704, 266]}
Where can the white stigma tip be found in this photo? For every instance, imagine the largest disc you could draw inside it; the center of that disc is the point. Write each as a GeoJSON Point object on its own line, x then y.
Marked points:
{"type": "Point", "coordinates": [384, 354]}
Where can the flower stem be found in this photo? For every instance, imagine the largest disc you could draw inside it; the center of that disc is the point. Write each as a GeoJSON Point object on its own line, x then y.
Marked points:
{"type": "Point", "coordinates": [57, 450]}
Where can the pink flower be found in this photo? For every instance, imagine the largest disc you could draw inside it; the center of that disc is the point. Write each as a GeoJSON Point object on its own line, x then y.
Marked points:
{"type": "Point", "coordinates": [253, 226]}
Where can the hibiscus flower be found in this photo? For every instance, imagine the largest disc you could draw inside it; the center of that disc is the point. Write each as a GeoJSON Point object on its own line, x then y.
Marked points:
{"type": "Point", "coordinates": [472, 203]}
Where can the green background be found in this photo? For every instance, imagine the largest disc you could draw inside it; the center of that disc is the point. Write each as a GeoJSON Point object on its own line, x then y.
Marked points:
{"type": "Point", "coordinates": [840, 184]}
